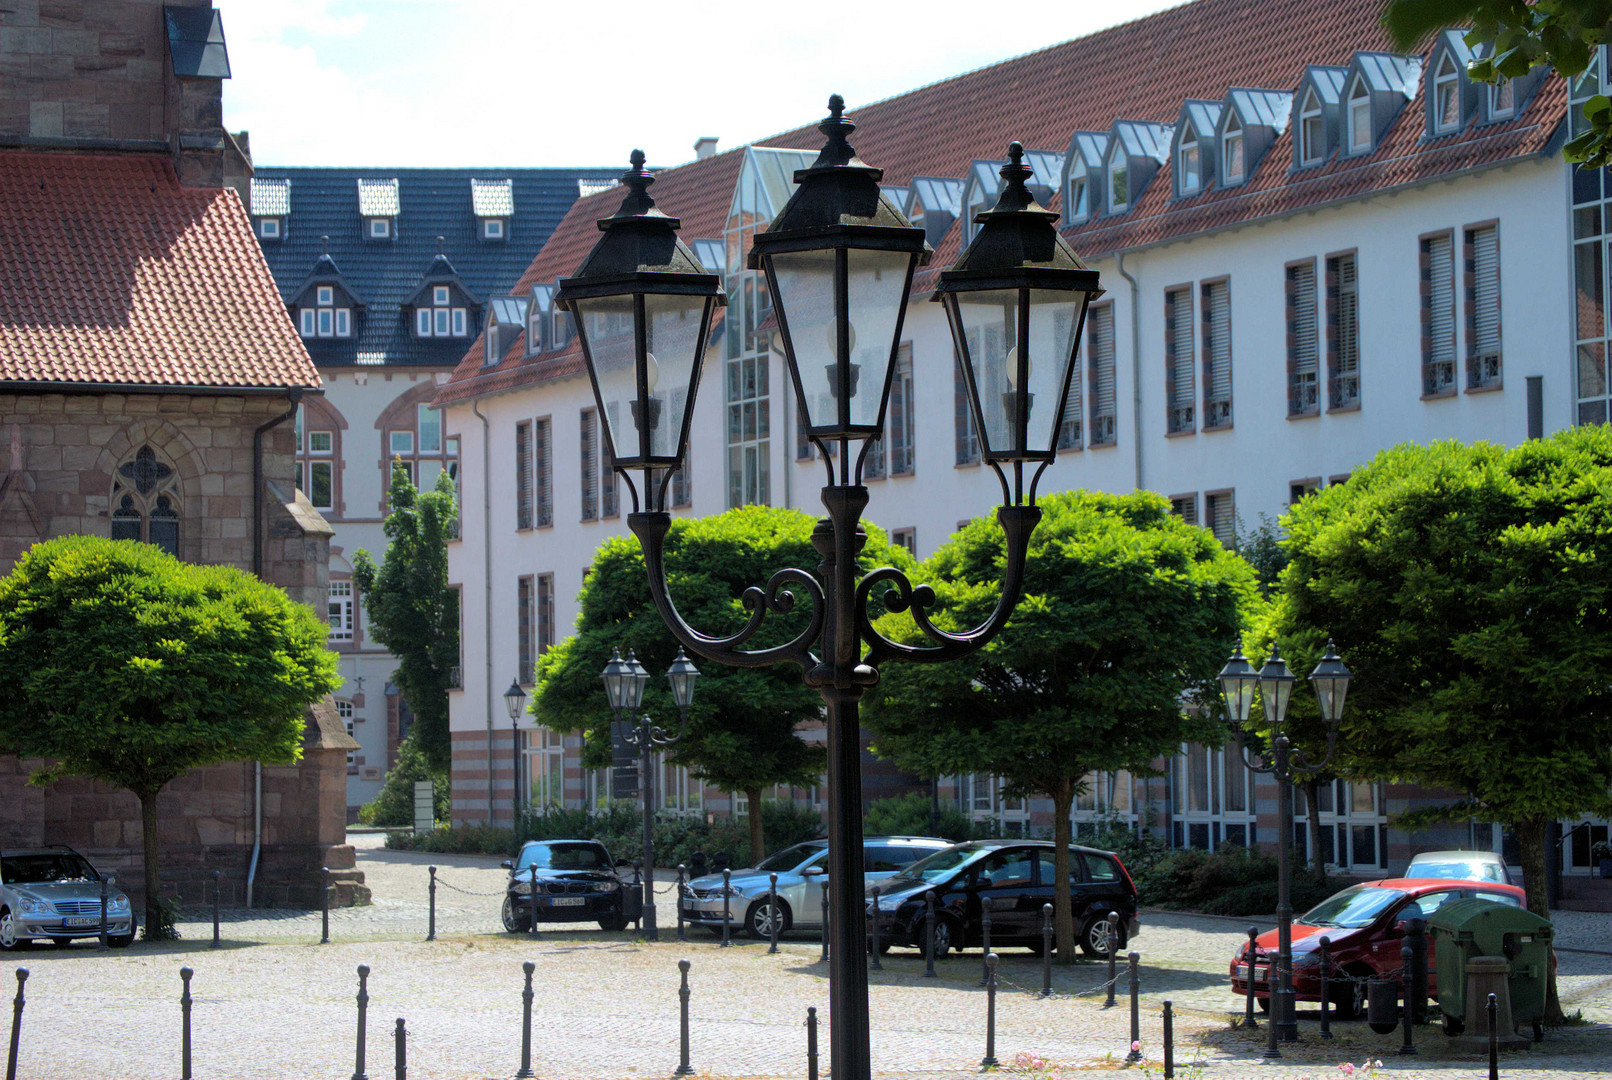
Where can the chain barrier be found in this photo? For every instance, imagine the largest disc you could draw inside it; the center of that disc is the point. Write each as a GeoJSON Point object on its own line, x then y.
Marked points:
{"type": "Point", "coordinates": [1101, 987]}
{"type": "Point", "coordinates": [468, 892]}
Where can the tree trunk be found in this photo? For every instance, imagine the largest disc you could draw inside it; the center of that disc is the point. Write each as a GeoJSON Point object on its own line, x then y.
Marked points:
{"type": "Point", "coordinates": [148, 842]}
{"type": "Point", "coordinates": [1533, 851]}
{"type": "Point", "coordinates": [758, 839]}
{"type": "Point", "coordinates": [1312, 808]}
{"type": "Point", "coordinates": [1063, 916]}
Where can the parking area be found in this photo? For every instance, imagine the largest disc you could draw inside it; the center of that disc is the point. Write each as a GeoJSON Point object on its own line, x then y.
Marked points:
{"type": "Point", "coordinates": [274, 1003]}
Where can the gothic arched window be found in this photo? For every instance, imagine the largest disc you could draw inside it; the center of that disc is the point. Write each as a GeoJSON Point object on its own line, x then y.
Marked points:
{"type": "Point", "coordinates": [146, 502]}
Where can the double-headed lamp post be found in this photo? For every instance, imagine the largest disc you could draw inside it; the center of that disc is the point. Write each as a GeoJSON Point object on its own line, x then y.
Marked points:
{"type": "Point", "coordinates": [515, 702]}
{"type": "Point", "coordinates": [624, 688]}
{"type": "Point", "coordinates": [1274, 684]}
{"type": "Point", "coordinates": [839, 261]}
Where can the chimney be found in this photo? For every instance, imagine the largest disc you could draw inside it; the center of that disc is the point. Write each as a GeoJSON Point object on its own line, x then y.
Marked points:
{"type": "Point", "coordinates": [704, 147]}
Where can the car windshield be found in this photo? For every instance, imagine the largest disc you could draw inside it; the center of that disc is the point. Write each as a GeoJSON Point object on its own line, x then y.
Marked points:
{"type": "Point", "coordinates": [1352, 908]}
{"type": "Point", "coordinates": [941, 864]}
{"type": "Point", "coordinates": [43, 869]}
{"type": "Point", "coordinates": [1461, 871]}
{"type": "Point", "coordinates": [790, 857]}
{"type": "Point", "coordinates": [563, 857]}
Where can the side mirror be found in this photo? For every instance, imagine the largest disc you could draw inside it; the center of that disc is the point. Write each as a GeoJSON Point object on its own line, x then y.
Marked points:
{"type": "Point", "coordinates": [624, 864]}
{"type": "Point", "coordinates": [1402, 927]}
{"type": "Point", "coordinates": [507, 865]}
{"type": "Point", "coordinates": [813, 871]}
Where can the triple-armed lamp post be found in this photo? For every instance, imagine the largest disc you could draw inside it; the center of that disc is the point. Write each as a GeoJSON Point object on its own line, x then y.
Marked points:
{"type": "Point", "coordinates": [624, 688]}
{"type": "Point", "coordinates": [1274, 684]}
{"type": "Point", "coordinates": [839, 261]}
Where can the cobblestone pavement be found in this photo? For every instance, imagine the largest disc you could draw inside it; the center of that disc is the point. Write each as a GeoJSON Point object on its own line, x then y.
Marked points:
{"type": "Point", "coordinates": [274, 1003]}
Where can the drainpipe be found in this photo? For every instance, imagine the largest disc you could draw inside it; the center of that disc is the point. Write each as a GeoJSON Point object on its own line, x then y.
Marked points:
{"type": "Point", "coordinates": [1136, 365]}
{"type": "Point", "coordinates": [293, 395]}
{"type": "Point", "coordinates": [487, 587]}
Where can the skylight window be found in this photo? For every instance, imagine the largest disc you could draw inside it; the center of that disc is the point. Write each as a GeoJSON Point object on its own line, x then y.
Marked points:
{"type": "Point", "coordinates": [1446, 95]}
{"type": "Point", "coordinates": [1191, 164]}
{"type": "Point", "coordinates": [1312, 130]}
{"type": "Point", "coordinates": [1232, 162]}
{"type": "Point", "coordinates": [1119, 188]}
{"type": "Point", "coordinates": [1359, 116]}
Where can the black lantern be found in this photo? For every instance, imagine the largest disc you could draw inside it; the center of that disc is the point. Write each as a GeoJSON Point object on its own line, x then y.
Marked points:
{"type": "Point", "coordinates": [682, 675]}
{"type": "Point", "coordinates": [514, 698]}
{"type": "Point", "coordinates": [1017, 300]}
{"type": "Point", "coordinates": [1331, 679]}
{"type": "Point", "coordinates": [839, 260]}
{"type": "Point", "coordinates": [624, 682]}
{"type": "Point", "coordinates": [1275, 688]}
{"type": "Point", "coordinates": [642, 304]}
{"type": "Point", "coordinates": [1238, 682]}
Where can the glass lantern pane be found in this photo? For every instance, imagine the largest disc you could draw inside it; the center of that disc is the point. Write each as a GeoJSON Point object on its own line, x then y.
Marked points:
{"type": "Point", "coordinates": [1053, 319]}
{"type": "Point", "coordinates": [607, 323]}
{"type": "Point", "coordinates": [805, 281]}
{"type": "Point", "coordinates": [991, 325]}
{"type": "Point", "coordinates": [674, 355]}
{"type": "Point", "coordinates": [875, 283]}
{"type": "Point", "coordinates": [991, 322]}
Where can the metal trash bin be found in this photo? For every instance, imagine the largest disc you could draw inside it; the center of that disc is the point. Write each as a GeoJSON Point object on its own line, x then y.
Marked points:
{"type": "Point", "coordinates": [1465, 929]}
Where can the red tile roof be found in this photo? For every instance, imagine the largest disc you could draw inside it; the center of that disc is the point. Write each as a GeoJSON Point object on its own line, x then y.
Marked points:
{"type": "Point", "coordinates": [112, 273]}
{"type": "Point", "coordinates": [1142, 70]}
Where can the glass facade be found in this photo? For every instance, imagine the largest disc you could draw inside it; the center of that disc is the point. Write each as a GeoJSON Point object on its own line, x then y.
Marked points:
{"type": "Point", "coordinates": [1591, 190]}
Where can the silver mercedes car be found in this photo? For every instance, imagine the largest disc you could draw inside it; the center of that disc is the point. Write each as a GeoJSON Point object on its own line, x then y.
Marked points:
{"type": "Point", "coordinates": [802, 881]}
{"type": "Point", "coordinates": [54, 893]}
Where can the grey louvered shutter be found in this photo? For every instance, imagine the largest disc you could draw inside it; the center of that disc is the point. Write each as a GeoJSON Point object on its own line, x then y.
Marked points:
{"type": "Point", "coordinates": [1217, 354]}
{"type": "Point", "coordinates": [1483, 348]}
{"type": "Point", "coordinates": [1303, 341]}
{"type": "Point", "coordinates": [1438, 375]}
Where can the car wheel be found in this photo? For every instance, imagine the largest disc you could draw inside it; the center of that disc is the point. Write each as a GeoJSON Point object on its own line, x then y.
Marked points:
{"type": "Point", "coordinates": [120, 941]}
{"type": "Point", "coordinates": [1350, 998]}
{"type": "Point", "coordinates": [760, 919]}
{"type": "Point", "coordinates": [613, 923]}
{"type": "Point", "coordinates": [514, 921]}
{"type": "Point", "coordinates": [1094, 937]}
{"type": "Point", "coordinates": [8, 932]}
{"type": "Point", "coordinates": [1264, 1004]}
{"type": "Point", "coordinates": [1453, 1026]}
{"type": "Point", "coordinates": [946, 937]}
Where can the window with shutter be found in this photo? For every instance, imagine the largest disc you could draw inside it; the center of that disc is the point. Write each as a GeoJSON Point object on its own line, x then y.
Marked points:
{"type": "Point", "coordinates": [1100, 370]}
{"type": "Point", "coordinates": [1483, 308]}
{"type": "Point", "coordinates": [1220, 518]}
{"type": "Point", "coordinates": [609, 490]}
{"type": "Point", "coordinates": [545, 613]}
{"type": "Point", "coordinates": [523, 475]}
{"type": "Point", "coordinates": [1069, 428]}
{"type": "Point", "coordinates": [543, 474]}
{"type": "Point", "coordinates": [590, 468]}
{"type": "Point", "coordinates": [1303, 393]}
{"type": "Point", "coordinates": [1185, 507]}
{"type": "Point", "coordinates": [1216, 355]}
{"type": "Point", "coordinates": [965, 442]}
{"type": "Point", "coordinates": [523, 630]}
{"type": "Point", "coordinates": [1179, 392]}
{"type": "Point", "coordinates": [903, 451]}
{"type": "Point", "coordinates": [1438, 315]}
{"type": "Point", "coordinates": [1343, 333]}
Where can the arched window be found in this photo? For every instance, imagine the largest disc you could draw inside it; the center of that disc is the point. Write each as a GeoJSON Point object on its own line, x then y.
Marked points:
{"type": "Point", "coordinates": [1077, 200]}
{"type": "Point", "coordinates": [1232, 163]}
{"type": "Point", "coordinates": [1359, 116]}
{"type": "Point", "coordinates": [1119, 188]}
{"type": "Point", "coordinates": [1446, 95]}
{"type": "Point", "coordinates": [146, 501]}
{"type": "Point", "coordinates": [1191, 164]}
{"type": "Point", "coordinates": [1312, 130]}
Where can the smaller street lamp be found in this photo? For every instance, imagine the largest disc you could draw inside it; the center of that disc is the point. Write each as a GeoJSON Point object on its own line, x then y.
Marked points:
{"type": "Point", "coordinates": [624, 689]}
{"type": "Point", "coordinates": [515, 702]}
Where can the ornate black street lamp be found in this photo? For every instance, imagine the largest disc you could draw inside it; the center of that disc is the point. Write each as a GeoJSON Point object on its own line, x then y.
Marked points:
{"type": "Point", "coordinates": [1274, 682]}
{"type": "Point", "coordinates": [624, 688]}
{"type": "Point", "coordinates": [514, 701]}
{"type": "Point", "coordinates": [839, 260]}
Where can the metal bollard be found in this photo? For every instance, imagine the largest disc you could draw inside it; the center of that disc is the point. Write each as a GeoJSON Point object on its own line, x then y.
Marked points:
{"type": "Point", "coordinates": [683, 1067]}
{"type": "Point", "coordinates": [16, 1023]}
{"type": "Point", "coordinates": [1326, 987]}
{"type": "Point", "coordinates": [218, 885]}
{"type": "Point", "coordinates": [1046, 950]}
{"type": "Point", "coordinates": [989, 1060]}
{"type": "Point", "coordinates": [682, 886]}
{"type": "Point", "coordinates": [104, 882]}
{"type": "Point", "coordinates": [1169, 1041]}
{"type": "Point", "coordinates": [431, 924]}
{"type": "Point", "coordinates": [811, 1042]}
{"type": "Point", "coordinates": [400, 1051]}
{"type": "Point", "coordinates": [532, 922]}
{"type": "Point", "coordinates": [1248, 1015]}
{"type": "Point", "coordinates": [324, 905]}
{"type": "Point", "coordinates": [929, 934]}
{"type": "Point", "coordinates": [1407, 960]}
{"type": "Point", "coordinates": [363, 1008]}
{"type": "Point", "coordinates": [1491, 1007]}
{"type": "Point", "coordinates": [774, 917]}
{"type": "Point", "coordinates": [526, 1023]}
{"type": "Point", "coordinates": [823, 959]}
{"type": "Point", "coordinates": [1113, 956]}
{"type": "Point", "coordinates": [874, 963]}
{"type": "Point", "coordinates": [184, 1024]}
{"type": "Point", "coordinates": [1135, 962]}
{"type": "Point", "coordinates": [985, 940]}
{"type": "Point", "coordinates": [727, 908]}
{"type": "Point", "coordinates": [1416, 938]}
{"type": "Point", "coordinates": [638, 886]}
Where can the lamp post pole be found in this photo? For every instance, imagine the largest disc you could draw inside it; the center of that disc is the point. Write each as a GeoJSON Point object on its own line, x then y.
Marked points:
{"type": "Point", "coordinates": [838, 258]}
{"type": "Point", "coordinates": [515, 702]}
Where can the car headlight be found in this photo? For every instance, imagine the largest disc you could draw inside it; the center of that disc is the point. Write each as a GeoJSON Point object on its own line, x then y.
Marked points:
{"type": "Point", "coordinates": [118, 905]}
{"type": "Point", "coordinates": [1307, 959]}
{"type": "Point", "coordinates": [522, 888]}
{"type": "Point", "coordinates": [609, 886]}
{"type": "Point", "coordinates": [30, 906]}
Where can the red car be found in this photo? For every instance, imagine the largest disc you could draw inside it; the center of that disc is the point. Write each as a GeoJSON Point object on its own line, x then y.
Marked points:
{"type": "Point", "coordinates": [1364, 925]}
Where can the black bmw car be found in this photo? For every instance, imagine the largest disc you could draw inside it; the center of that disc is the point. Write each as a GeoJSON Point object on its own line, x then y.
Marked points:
{"type": "Point", "coordinates": [1018, 877]}
{"type": "Point", "coordinates": [575, 881]}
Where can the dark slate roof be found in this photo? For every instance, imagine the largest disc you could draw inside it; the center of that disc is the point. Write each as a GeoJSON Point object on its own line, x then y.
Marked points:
{"type": "Point", "coordinates": [386, 274]}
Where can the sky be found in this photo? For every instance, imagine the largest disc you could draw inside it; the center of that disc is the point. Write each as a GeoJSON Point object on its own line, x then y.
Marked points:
{"type": "Point", "coordinates": [528, 83]}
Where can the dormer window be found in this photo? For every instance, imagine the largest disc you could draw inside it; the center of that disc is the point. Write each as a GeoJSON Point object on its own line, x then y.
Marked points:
{"type": "Point", "coordinates": [1118, 184]}
{"type": "Point", "coordinates": [1358, 117]}
{"type": "Point", "coordinates": [492, 228]}
{"type": "Point", "coordinates": [269, 228]}
{"type": "Point", "coordinates": [1077, 200]}
{"type": "Point", "coordinates": [493, 203]}
{"type": "Point", "coordinates": [1502, 98]}
{"type": "Point", "coordinates": [379, 228]}
{"type": "Point", "coordinates": [1233, 163]}
{"type": "Point", "coordinates": [1312, 130]}
{"type": "Point", "coordinates": [443, 317]}
{"type": "Point", "coordinates": [379, 206]}
{"type": "Point", "coordinates": [1191, 164]}
{"type": "Point", "coordinates": [1446, 96]}
{"type": "Point", "coordinates": [328, 316]}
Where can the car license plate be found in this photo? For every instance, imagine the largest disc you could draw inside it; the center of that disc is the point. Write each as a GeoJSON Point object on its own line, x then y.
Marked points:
{"type": "Point", "coordinates": [83, 920]}
{"type": "Point", "coordinates": [567, 901]}
{"type": "Point", "coordinates": [1261, 973]}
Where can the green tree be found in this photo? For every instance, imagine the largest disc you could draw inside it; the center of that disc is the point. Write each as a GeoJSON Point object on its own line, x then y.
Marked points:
{"type": "Point", "coordinates": [1127, 614]}
{"type": "Point", "coordinates": [130, 667]}
{"type": "Point", "coordinates": [1519, 35]}
{"type": "Point", "coordinates": [412, 611]}
{"type": "Point", "coordinates": [741, 730]}
{"type": "Point", "coordinates": [1468, 587]}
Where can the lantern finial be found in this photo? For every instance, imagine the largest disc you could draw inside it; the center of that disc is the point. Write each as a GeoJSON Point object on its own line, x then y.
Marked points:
{"type": "Point", "coordinates": [1015, 195]}
{"type": "Point", "coordinates": [837, 129]}
{"type": "Point", "coordinates": [639, 202]}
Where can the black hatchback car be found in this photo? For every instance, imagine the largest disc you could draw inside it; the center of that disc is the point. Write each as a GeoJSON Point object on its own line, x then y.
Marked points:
{"type": "Point", "coordinates": [575, 880]}
{"type": "Point", "coordinates": [1018, 877]}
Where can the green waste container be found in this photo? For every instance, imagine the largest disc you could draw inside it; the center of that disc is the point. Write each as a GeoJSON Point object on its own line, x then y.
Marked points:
{"type": "Point", "coordinates": [1463, 929]}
